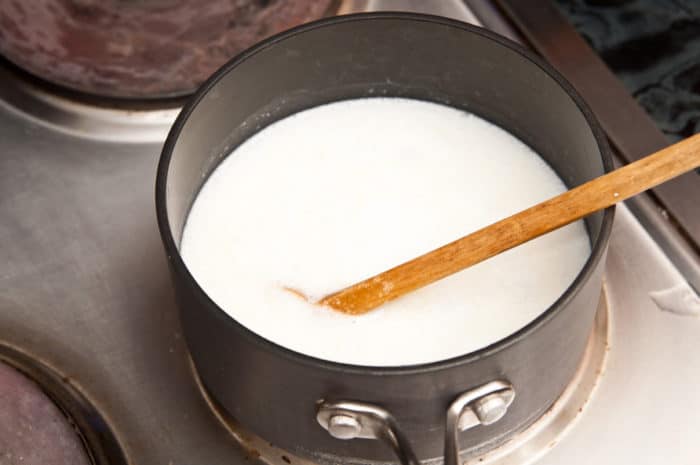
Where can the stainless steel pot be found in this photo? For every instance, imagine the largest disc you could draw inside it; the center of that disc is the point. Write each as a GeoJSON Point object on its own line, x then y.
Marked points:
{"type": "Point", "coordinates": [294, 400]}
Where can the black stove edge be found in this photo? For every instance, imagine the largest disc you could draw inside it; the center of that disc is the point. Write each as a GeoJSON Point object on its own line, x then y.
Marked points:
{"type": "Point", "coordinates": [667, 213]}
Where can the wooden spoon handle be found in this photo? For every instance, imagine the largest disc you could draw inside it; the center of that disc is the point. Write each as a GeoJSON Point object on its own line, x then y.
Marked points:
{"type": "Point", "coordinates": [505, 234]}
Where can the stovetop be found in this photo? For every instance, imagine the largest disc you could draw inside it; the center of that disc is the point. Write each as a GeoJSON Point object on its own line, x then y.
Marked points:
{"type": "Point", "coordinates": [86, 305]}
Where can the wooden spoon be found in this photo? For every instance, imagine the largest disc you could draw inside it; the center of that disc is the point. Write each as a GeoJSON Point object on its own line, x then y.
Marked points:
{"type": "Point", "coordinates": [601, 192]}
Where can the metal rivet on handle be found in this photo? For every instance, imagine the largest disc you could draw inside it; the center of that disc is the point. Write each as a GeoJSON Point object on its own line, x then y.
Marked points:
{"type": "Point", "coordinates": [482, 405]}
{"type": "Point", "coordinates": [344, 427]}
{"type": "Point", "coordinates": [491, 408]}
{"type": "Point", "coordinates": [347, 419]}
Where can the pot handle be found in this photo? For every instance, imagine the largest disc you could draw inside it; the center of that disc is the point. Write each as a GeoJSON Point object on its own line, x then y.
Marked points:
{"type": "Point", "coordinates": [350, 420]}
{"type": "Point", "coordinates": [479, 406]}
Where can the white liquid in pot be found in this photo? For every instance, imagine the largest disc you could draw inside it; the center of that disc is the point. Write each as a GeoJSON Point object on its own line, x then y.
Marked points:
{"type": "Point", "coordinates": [335, 194]}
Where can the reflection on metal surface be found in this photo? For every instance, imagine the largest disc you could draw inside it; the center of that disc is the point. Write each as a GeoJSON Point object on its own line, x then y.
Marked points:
{"type": "Point", "coordinates": [524, 448]}
{"type": "Point", "coordinates": [449, 8]}
{"type": "Point", "coordinates": [656, 221]}
{"type": "Point", "coordinates": [680, 299]}
{"type": "Point", "coordinates": [141, 123]}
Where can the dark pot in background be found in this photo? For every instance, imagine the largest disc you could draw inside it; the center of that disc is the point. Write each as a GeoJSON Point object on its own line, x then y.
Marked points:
{"type": "Point", "coordinates": [275, 392]}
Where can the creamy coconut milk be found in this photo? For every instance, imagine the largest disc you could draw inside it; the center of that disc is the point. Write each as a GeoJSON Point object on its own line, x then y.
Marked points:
{"type": "Point", "coordinates": [335, 194]}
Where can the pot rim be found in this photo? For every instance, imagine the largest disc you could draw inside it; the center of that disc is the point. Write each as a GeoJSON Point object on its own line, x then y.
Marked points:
{"type": "Point", "coordinates": [597, 250]}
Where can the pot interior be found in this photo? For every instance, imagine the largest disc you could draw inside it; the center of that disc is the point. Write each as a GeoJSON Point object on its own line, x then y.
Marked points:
{"type": "Point", "coordinates": [381, 55]}
{"type": "Point", "coordinates": [433, 60]}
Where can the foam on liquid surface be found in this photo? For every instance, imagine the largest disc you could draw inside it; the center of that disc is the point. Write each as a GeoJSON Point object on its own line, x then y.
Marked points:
{"type": "Point", "coordinates": [335, 194]}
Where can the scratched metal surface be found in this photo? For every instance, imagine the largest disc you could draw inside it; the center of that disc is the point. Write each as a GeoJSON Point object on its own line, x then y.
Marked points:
{"type": "Point", "coordinates": [85, 290]}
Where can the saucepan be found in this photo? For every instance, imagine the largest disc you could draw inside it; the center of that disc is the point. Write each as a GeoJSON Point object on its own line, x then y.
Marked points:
{"type": "Point", "coordinates": [308, 405]}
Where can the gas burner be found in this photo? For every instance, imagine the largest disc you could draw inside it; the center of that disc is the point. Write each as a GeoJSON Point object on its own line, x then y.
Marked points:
{"type": "Point", "coordinates": [32, 427]}
{"type": "Point", "coordinates": [140, 49]}
{"type": "Point", "coordinates": [55, 421]}
{"type": "Point", "coordinates": [525, 447]}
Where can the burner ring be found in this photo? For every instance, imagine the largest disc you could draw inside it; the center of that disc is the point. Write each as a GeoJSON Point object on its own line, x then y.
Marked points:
{"type": "Point", "coordinates": [80, 116]}
{"type": "Point", "coordinates": [100, 443]}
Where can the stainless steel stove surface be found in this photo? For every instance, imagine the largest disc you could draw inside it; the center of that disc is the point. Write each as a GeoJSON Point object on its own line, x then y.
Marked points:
{"type": "Point", "coordinates": [86, 306]}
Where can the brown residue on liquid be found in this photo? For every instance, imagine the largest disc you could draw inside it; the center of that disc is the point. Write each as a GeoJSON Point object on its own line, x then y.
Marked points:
{"type": "Point", "coordinates": [296, 292]}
